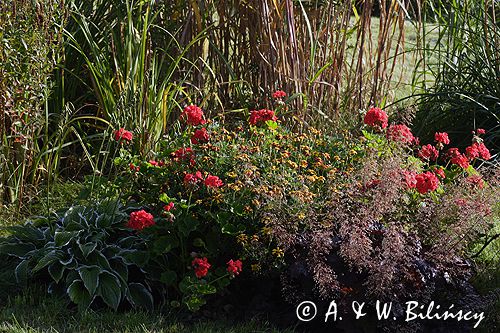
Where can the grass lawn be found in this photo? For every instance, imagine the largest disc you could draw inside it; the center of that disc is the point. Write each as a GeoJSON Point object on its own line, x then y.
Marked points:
{"type": "Point", "coordinates": [35, 312]}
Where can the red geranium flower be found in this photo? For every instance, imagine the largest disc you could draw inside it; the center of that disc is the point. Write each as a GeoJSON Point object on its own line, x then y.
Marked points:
{"type": "Point", "coordinates": [200, 136]}
{"type": "Point", "coordinates": [213, 181]}
{"type": "Point", "coordinates": [484, 153]}
{"type": "Point", "coordinates": [428, 152]}
{"type": "Point", "coordinates": [234, 267]}
{"type": "Point", "coordinates": [480, 131]}
{"type": "Point", "coordinates": [190, 178]}
{"type": "Point", "coordinates": [410, 180]}
{"type": "Point", "coordinates": [426, 182]}
{"type": "Point", "coordinates": [261, 116]}
{"type": "Point", "coordinates": [123, 134]}
{"type": "Point", "coordinates": [376, 117]}
{"type": "Point", "coordinates": [140, 219]}
{"type": "Point", "coordinates": [201, 267]}
{"type": "Point", "coordinates": [440, 172]}
{"type": "Point", "coordinates": [400, 133]}
{"type": "Point", "coordinates": [476, 150]}
{"type": "Point", "coordinates": [193, 115]}
{"type": "Point", "coordinates": [278, 94]}
{"type": "Point", "coordinates": [183, 153]}
{"type": "Point", "coordinates": [471, 152]}
{"type": "Point", "coordinates": [452, 152]}
{"type": "Point", "coordinates": [460, 160]}
{"type": "Point", "coordinates": [169, 207]}
{"type": "Point", "coordinates": [442, 138]}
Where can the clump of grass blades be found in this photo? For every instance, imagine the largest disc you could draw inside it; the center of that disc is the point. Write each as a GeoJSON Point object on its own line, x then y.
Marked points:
{"type": "Point", "coordinates": [464, 63]}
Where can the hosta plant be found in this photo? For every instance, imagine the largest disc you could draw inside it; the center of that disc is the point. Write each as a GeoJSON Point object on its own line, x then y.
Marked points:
{"type": "Point", "coordinates": [86, 252]}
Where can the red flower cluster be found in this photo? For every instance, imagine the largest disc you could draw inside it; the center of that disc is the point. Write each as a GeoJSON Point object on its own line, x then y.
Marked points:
{"type": "Point", "coordinates": [193, 179]}
{"type": "Point", "coordinates": [480, 131]}
{"type": "Point", "coordinates": [442, 138]}
{"type": "Point", "coordinates": [193, 115]}
{"type": "Point", "coordinates": [213, 181]}
{"type": "Point", "coordinates": [169, 207]}
{"type": "Point", "coordinates": [457, 158]}
{"type": "Point", "coordinates": [140, 220]}
{"type": "Point", "coordinates": [400, 133]}
{"type": "Point", "coordinates": [134, 167]}
{"type": "Point", "coordinates": [261, 116]}
{"type": "Point", "coordinates": [426, 182]}
{"type": "Point", "coordinates": [376, 117]}
{"type": "Point", "coordinates": [410, 179]}
{"type": "Point", "coordinates": [201, 267]}
{"type": "Point", "coordinates": [476, 150]}
{"type": "Point", "coordinates": [200, 136]}
{"type": "Point", "coordinates": [184, 154]}
{"type": "Point", "coordinates": [278, 94]}
{"type": "Point", "coordinates": [440, 173]}
{"type": "Point", "coordinates": [428, 152]}
{"type": "Point", "coordinates": [123, 134]}
{"type": "Point", "coordinates": [234, 267]}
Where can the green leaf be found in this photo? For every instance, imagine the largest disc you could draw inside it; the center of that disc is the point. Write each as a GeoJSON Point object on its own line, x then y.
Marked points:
{"type": "Point", "coordinates": [165, 244]}
{"type": "Point", "coordinates": [56, 271]}
{"type": "Point", "coordinates": [26, 232]}
{"type": "Point", "coordinates": [206, 289]}
{"type": "Point", "coordinates": [165, 198]}
{"type": "Point", "coordinates": [18, 250]}
{"type": "Point", "coordinates": [120, 268]}
{"type": "Point", "coordinates": [109, 289]}
{"type": "Point", "coordinates": [272, 124]}
{"type": "Point", "coordinates": [168, 277]}
{"type": "Point", "coordinates": [98, 259]}
{"type": "Point", "coordinates": [47, 260]}
{"type": "Point", "coordinates": [21, 272]}
{"type": "Point", "coordinates": [87, 248]}
{"type": "Point", "coordinates": [194, 303]}
{"type": "Point", "coordinates": [79, 294]}
{"type": "Point", "coordinates": [186, 285]}
{"type": "Point", "coordinates": [139, 258]}
{"type": "Point", "coordinates": [62, 238]}
{"type": "Point", "coordinates": [187, 224]}
{"type": "Point", "coordinates": [90, 277]}
{"type": "Point", "coordinates": [198, 242]}
{"type": "Point", "coordinates": [139, 296]}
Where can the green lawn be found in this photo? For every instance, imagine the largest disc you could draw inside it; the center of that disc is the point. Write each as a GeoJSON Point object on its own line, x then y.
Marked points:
{"type": "Point", "coordinates": [35, 312]}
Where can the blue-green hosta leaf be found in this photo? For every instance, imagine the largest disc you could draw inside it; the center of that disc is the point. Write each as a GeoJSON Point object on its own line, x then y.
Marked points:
{"type": "Point", "coordinates": [21, 272]}
{"type": "Point", "coordinates": [26, 232]}
{"type": "Point", "coordinates": [56, 271]}
{"type": "Point", "coordinates": [49, 258]}
{"type": "Point", "coordinates": [120, 268]}
{"type": "Point", "coordinates": [90, 277]}
{"type": "Point", "coordinates": [87, 248]}
{"type": "Point", "coordinates": [139, 258]}
{"type": "Point", "coordinates": [18, 250]}
{"type": "Point", "coordinates": [139, 296]}
{"type": "Point", "coordinates": [62, 238]}
{"type": "Point", "coordinates": [98, 259]}
{"type": "Point", "coordinates": [79, 294]}
{"type": "Point", "coordinates": [109, 289]}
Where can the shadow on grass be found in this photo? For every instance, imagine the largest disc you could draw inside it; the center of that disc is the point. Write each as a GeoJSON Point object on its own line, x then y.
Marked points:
{"type": "Point", "coordinates": [33, 311]}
